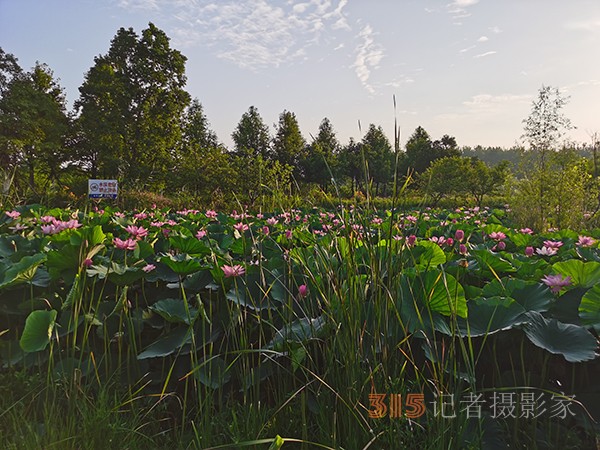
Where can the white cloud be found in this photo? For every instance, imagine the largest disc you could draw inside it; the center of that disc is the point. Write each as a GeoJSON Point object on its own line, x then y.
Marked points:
{"type": "Point", "coordinates": [584, 25]}
{"type": "Point", "coordinates": [252, 34]}
{"type": "Point", "coordinates": [299, 8]}
{"type": "Point", "coordinates": [400, 81]}
{"type": "Point", "coordinates": [495, 30]}
{"type": "Point", "coordinates": [483, 39]}
{"type": "Point", "coordinates": [489, 101]}
{"type": "Point", "coordinates": [458, 9]}
{"type": "Point", "coordinates": [140, 5]}
{"type": "Point", "coordinates": [589, 83]}
{"type": "Point", "coordinates": [483, 55]}
{"type": "Point", "coordinates": [463, 3]}
{"type": "Point", "coordinates": [368, 56]}
{"type": "Point", "coordinates": [466, 49]}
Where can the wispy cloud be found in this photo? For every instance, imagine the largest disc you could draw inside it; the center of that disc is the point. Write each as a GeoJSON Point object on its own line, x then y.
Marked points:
{"type": "Point", "coordinates": [139, 5]}
{"type": "Point", "coordinates": [495, 29]}
{"type": "Point", "coordinates": [493, 102]}
{"type": "Point", "coordinates": [466, 49]}
{"type": "Point", "coordinates": [252, 34]}
{"type": "Point", "coordinates": [396, 83]}
{"type": "Point", "coordinates": [483, 39]}
{"type": "Point", "coordinates": [483, 55]}
{"type": "Point", "coordinates": [583, 83]}
{"type": "Point", "coordinates": [368, 55]}
{"type": "Point", "coordinates": [463, 3]}
{"type": "Point", "coordinates": [584, 25]}
{"type": "Point", "coordinates": [457, 9]}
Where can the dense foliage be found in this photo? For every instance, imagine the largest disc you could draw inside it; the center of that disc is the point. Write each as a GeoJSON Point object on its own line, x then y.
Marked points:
{"type": "Point", "coordinates": [226, 310]}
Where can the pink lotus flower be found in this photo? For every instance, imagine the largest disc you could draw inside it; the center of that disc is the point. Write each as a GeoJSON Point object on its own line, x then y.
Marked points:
{"type": "Point", "coordinates": [265, 230]}
{"type": "Point", "coordinates": [500, 245]}
{"type": "Point", "coordinates": [13, 214]}
{"type": "Point", "coordinates": [288, 234]}
{"type": "Point", "coordinates": [586, 241]}
{"type": "Point", "coordinates": [553, 244]}
{"type": "Point", "coordinates": [140, 216]}
{"type": "Point", "coordinates": [233, 271]}
{"type": "Point", "coordinates": [87, 262]}
{"type": "Point", "coordinates": [497, 235]}
{"type": "Point", "coordinates": [50, 229]}
{"type": "Point", "coordinates": [462, 249]}
{"type": "Point", "coordinates": [241, 227]}
{"type": "Point", "coordinates": [148, 268]}
{"type": "Point", "coordinates": [459, 235]}
{"type": "Point", "coordinates": [410, 241]}
{"type": "Point", "coordinates": [211, 214]}
{"type": "Point", "coordinates": [526, 231]}
{"type": "Point", "coordinates": [136, 232]}
{"type": "Point", "coordinates": [127, 244]}
{"type": "Point", "coordinates": [47, 219]}
{"type": "Point", "coordinates": [528, 251]}
{"type": "Point", "coordinates": [546, 251]}
{"type": "Point", "coordinates": [200, 234]}
{"type": "Point", "coordinates": [272, 221]}
{"type": "Point", "coordinates": [438, 240]}
{"type": "Point", "coordinates": [302, 290]}
{"type": "Point", "coordinates": [556, 282]}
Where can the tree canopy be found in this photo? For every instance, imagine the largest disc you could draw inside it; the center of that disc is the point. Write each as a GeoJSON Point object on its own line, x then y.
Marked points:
{"type": "Point", "coordinates": [130, 107]}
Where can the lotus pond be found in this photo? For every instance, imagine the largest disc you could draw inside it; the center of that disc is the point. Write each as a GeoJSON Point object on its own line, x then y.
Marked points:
{"type": "Point", "coordinates": [297, 323]}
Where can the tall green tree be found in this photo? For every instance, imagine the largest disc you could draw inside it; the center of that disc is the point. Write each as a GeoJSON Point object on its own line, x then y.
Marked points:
{"type": "Point", "coordinates": [350, 163]}
{"type": "Point", "coordinates": [445, 147]}
{"type": "Point", "coordinates": [196, 127]}
{"type": "Point", "coordinates": [419, 151]}
{"type": "Point", "coordinates": [288, 144]}
{"type": "Point", "coordinates": [33, 123]}
{"type": "Point", "coordinates": [203, 168]}
{"type": "Point", "coordinates": [379, 156]}
{"type": "Point", "coordinates": [251, 136]}
{"type": "Point", "coordinates": [9, 68]}
{"type": "Point", "coordinates": [481, 179]}
{"type": "Point", "coordinates": [320, 162]}
{"type": "Point", "coordinates": [130, 105]}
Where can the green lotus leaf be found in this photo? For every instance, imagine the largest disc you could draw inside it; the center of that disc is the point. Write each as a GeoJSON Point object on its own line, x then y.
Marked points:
{"type": "Point", "coordinates": [589, 308]}
{"type": "Point", "coordinates": [490, 315]}
{"type": "Point", "coordinates": [573, 342]}
{"type": "Point", "coordinates": [582, 274]}
{"type": "Point", "coordinates": [173, 310]}
{"type": "Point", "coordinates": [38, 330]}
{"type": "Point", "coordinates": [168, 344]}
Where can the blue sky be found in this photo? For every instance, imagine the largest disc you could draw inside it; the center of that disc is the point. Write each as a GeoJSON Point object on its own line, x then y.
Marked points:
{"type": "Point", "coordinates": [468, 68]}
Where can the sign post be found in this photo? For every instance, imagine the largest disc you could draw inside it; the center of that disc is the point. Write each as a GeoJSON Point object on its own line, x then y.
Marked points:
{"type": "Point", "coordinates": [103, 189]}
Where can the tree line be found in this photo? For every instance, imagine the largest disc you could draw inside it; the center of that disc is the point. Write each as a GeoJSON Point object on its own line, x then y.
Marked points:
{"type": "Point", "coordinates": [135, 122]}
